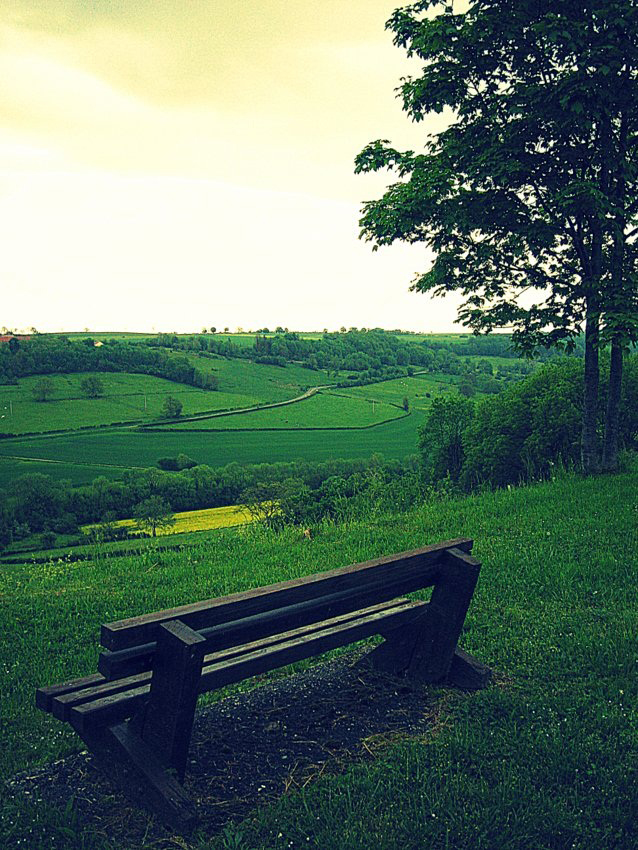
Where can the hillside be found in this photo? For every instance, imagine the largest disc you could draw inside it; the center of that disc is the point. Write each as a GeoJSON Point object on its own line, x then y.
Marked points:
{"type": "Point", "coordinates": [366, 378]}
{"type": "Point", "coordinates": [544, 759]}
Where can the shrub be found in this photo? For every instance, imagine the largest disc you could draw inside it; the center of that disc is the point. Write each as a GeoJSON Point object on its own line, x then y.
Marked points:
{"type": "Point", "coordinates": [172, 408]}
{"type": "Point", "coordinates": [92, 386]}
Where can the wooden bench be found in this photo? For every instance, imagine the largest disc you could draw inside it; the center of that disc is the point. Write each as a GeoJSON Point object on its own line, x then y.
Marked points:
{"type": "Point", "coordinates": [137, 713]}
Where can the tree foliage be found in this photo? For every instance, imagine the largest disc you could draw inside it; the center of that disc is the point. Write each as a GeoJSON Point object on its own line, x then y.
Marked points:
{"type": "Point", "coordinates": [152, 514]}
{"type": "Point", "coordinates": [43, 389]}
{"type": "Point", "coordinates": [529, 198]}
{"type": "Point", "coordinates": [92, 386]}
{"type": "Point", "coordinates": [171, 408]}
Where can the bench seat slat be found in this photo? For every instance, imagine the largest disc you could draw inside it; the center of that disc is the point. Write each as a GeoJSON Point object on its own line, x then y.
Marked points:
{"type": "Point", "coordinates": [128, 662]}
{"type": "Point", "coordinates": [64, 703]}
{"type": "Point", "coordinates": [45, 696]}
{"type": "Point", "coordinates": [226, 667]}
{"type": "Point", "coordinates": [140, 630]}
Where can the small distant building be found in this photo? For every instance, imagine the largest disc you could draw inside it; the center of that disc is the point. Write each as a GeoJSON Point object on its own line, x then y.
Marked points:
{"type": "Point", "coordinates": [98, 343]}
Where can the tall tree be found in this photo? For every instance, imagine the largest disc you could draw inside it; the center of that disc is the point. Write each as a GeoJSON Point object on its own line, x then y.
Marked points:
{"type": "Point", "coordinates": [529, 199]}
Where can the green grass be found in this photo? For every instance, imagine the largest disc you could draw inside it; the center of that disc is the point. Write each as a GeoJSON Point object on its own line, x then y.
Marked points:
{"type": "Point", "coordinates": [323, 410]}
{"type": "Point", "coordinates": [126, 398]}
{"type": "Point", "coordinates": [85, 455]}
{"type": "Point", "coordinates": [414, 388]}
{"type": "Point", "coordinates": [262, 382]}
{"type": "Point", "coordinates": [85, 551]}
{"type": "Point", "coordinates": [545, 760]}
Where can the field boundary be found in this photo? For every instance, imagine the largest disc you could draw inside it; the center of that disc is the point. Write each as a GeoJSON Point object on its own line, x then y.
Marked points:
{"type": "Point", "coordinates": [161, 430]}
{"type": "Point", "coordinates": [230, 412]}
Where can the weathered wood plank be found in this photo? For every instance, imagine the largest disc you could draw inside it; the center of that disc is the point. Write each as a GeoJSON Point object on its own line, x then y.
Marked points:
{"type": "Point", "coordinates": [136, 770]}
{"type": "Point", "coordinates": [239, 663]}
{"type": "Point", "coordinates": [170, 710]}
{"type": "Point", "coordinates": [127, 662]}
{"type": "Point", "coordinates": [211, 612]}
{"type": "Point", "coordinates": [44, 696]}
{"type": "Point", "coordinates": [467, 672]}
{"type": "Point", "coordinates": [395, 654]}
{"type": "Point", "coordinates": [450, 600]}
{"type": "Point", "coordinates": [108, 688]}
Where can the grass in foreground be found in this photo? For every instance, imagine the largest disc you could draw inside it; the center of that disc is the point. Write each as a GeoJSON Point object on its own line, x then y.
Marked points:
{"type": "Point", "coordinates": [548, 760]}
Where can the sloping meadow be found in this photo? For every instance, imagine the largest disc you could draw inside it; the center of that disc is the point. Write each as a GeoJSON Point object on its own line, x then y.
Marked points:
{"type": "Point", "coordinates": [545, 758]}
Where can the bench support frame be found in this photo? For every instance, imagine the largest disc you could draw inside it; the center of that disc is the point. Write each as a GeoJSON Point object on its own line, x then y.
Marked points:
{"type": "Point", "coordinates": [426, 649]}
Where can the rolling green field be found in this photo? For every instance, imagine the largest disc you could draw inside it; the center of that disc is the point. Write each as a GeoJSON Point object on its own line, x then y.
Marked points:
{"type": "Point", "coordinates": [268, 435]}
{"type": "Point", "coordinates": [415, 389]}
{"type": "Point", "coordinates": [260, 381]}
{"type": "Point", "coordinates": [322, 410]}
{"type": "Point", "coordinates": [126, 398]}
{"type": "Point", "coordinates": [545, 759]}
{"type": "Point", "coordinates": [82, 456]}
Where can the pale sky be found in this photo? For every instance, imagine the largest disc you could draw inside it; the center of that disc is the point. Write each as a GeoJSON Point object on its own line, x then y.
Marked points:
{"type": "Point", "coordinates": [175, 164]}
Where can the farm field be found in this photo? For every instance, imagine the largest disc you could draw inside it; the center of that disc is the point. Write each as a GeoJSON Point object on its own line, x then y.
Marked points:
{"type": "Point", "coordinates": [323, 410]}
{"type": "Point", "coordinates": [127, 397]}
{"type": "Point", "coordinates": [394, 391]}
{"type": "Point", "coordinates": [117, 548]}
{"type": "Point", "coordinates": [187, 529]}
{"type": "Point", "coordinates": [82, 456]}
{"type": "Point", "coordinates": [549, 750]}
{"type": "Point", "coordinates": [205, 519]}
{"type": "Point", "coordinates": [261, 381]}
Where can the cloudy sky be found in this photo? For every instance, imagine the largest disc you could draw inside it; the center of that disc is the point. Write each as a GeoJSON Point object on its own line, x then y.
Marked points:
{"type": "Point", "coordinates": [174, 164]}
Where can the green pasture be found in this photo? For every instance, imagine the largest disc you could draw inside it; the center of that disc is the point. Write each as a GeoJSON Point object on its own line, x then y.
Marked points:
{"type": "Point", "coordinates": [262, 382]}
{"type": "Point", "coordinates": [78, 472]}
{"type": "Point", "coordinates": [432, 337]}
{"type": "Point", "coordinates": [119, 548]}
{"type": "Point", "coordinates": [322, 410]}
{"type": "Point", "coordinates": [82, 456]}
{"type": "Point", "coordinates": [545, 759]}
{"type": "Point", "coordinates": [415, 389]}
{"type": "Point", "coordinates": [126, 398]}
{"type": "Point", "coordinates": [133, 336]}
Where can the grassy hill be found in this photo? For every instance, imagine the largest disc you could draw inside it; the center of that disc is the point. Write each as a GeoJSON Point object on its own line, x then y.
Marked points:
{"type": "Point", "coordinates": [320, 411]}
{"type": "Point", "coordinates": [544, 760]}
{"type": "Point", "coordinates": [82, 456]}
{"type": "Point", "coordinates": [125, 398]}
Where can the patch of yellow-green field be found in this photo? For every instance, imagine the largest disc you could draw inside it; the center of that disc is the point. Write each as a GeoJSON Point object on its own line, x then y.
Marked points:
{"type": "Point", "coordinates": [206, 519]}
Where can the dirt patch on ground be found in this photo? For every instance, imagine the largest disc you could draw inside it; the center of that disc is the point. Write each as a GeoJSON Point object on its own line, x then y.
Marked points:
{"type": "Point", "coordinates": [250, 749]}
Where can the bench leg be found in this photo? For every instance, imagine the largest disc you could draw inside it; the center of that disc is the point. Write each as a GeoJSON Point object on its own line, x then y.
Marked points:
{"type": "Point", "coordinates": [426, 648]}
{"type": "Point", "coordinates": [136, 770]}
{"type": "Point", "coordinates": [168, 716]}
{"type": "Point", "coordinates": [146, 756]}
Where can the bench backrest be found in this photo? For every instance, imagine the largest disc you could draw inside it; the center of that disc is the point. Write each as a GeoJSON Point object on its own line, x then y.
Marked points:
{"type": "Point", "coordinates": [261, 612]}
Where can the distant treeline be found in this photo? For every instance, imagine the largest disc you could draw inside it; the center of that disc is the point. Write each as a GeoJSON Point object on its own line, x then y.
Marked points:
{"type": "Point", "coordinates": [46, 354]}
{"type": "Point", "coordinates": [36, 503]}
{"type": "Point", "coordinates": [370, 355]}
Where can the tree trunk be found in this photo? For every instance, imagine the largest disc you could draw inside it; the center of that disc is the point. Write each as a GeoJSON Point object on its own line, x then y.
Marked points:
{"type": "Point", "coordinates": [612, 416]}
{"type": "Point", "coordinates": [589, 441]}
